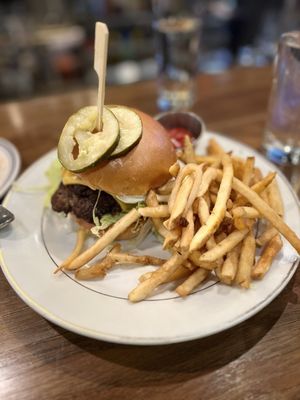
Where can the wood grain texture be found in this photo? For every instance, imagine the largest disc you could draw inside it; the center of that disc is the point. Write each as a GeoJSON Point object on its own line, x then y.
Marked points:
{"type": "Point", "coordinates": [259, 359]}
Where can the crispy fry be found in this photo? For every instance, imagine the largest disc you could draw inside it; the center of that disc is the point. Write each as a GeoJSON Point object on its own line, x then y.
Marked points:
{"type": "Point", "coordinates": [257, 188]}
{"type": "Point", "coordinates": [246, 261]}
{"type": "Point", "coordinates": [230, 265]}
{"type": "Point", "coordinates": [219, 209]}
{"type": "Point", "coordinates": [81, 236]}
{"type": "Point", "coordinates": [245, 212]}
{"type": "Point", "coordinates": [224, 246]}
{"type": "Point", "coordinates": [163, 198]}
{"type": "Point", "coordinates": [166, 189]}
{"type": "Point", "coordinates": [211, 160]}
{"type": "Point", "coordinates": [144, 289]}
{"type": "Point", "coordinates": [98, 269]}
{"type": "Point", "coordinates": [161, 211]}
{"type": "Point", "coordinates": [108, 237]}
{"type": "Point", "coordinates": [248, 170]}
{"type": "Point", "coordinates": [214, 148]}
{"type": "Point", "coordinates": [151, 201]}
{"type": "Point", "coordinates": [198, 173]}
{"type": "Point", "coordinates": [209, 175]}
{"type": "Point", "coordinates": [171, 237]}
{"type": "Point", "coordinates": [174, 169]}
{"type": "Point", "coordinates": [125, 258]}
{"type": "Point", "coordinates": [180, 273]}
{"type": "Point", "coordinates": [187, 232]}
{"type": "Point", "coordinates": [266, 211]}
{"type": "Point", "coordinates": [266, 236]}
{"type": "Point", "coordinates": [187, 170]}
{"type": "Point", "coordinates": [180, 202]}
{"type": "Point", "coordinates": [188, 150]}
{"type": "Point", "coordinates": [192, 281]}
{"type": "Point", "coordinates": [275, 199]}
{"type": "Point", "coordinates": [269, 253]}
{"type": "Point", "coordinates": [257, 176]}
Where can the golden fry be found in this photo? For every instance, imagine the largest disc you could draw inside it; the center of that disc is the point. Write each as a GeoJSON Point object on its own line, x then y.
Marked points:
{"type": "Point", "coordinates": [192, 281]}
{"type": "Point", "coordinates": [219, 209]}
{"type": "Point", "coordinates": [209, 175]}
{"type": "Point", "coordinates": [144, 289]}
{"type": "Point", "coordinates": [230, 265]}
{"type": "Point", "coordinates": [161, 211]}
{"type": "Point", "coordinates": [81, 236]}
{"type": "Point", "coordinates": [108, 237]}
{"type": "Point", "coordinates": [224, 246]}
{"type": "Point", "coordinates": [266, 236]}
{"type": "Point", "coordinates": [187, 232]}
{"type": "Point", "coordinates": [214, 148]}
{"type": "Point", "coordinates": [151, 201]}
{"type": "Point", "coordinates": [246, 261]}
{"type": "Point", "coordinates": [188, 150]}
{"type": "Point", "coordinates": [174, 169]}
{"type": "Point", "coordinates": [265, 260]}
{"type": "Point", "coordinates": [275, 199]}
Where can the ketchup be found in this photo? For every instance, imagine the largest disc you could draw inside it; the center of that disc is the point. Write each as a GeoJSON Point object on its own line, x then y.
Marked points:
{"type": "Point", "coordinates": [177, 136]}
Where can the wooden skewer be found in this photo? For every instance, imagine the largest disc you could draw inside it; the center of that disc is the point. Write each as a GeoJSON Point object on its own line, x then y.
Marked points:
{"type": "Point", "coordinates": [100, 60]}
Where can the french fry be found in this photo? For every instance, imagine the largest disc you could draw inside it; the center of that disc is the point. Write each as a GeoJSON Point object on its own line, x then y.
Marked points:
{"type": "Point", "coordinates": [174, 169]}
{"type": "Point", "coordinates": [230, 265]}
{"type": "Point", "coordinates": [180, 202]}
{"type": "Point", "coordinates": [208, 176]}
{"type": "Point", "coordinates": [267, 212]}
{"type": "Point", "coordinates": [257, 176]}
{"type": "Point", "coordinates": [180, 273]}
{"type": "Point", "coordinates": [163, 198]}
{"type": "Point", "coordinates": [161, 211]}
{"type": "Point", "coordinates": [219, 209]}
{"type": "Point", "coordinates": [166, 189]}
{"type": "Point", "coordinates": [257, 188]}
{"type": "Point", "coordinates": [224, 246]}
{"type": "Point", "coordinates": [265, 260]}
{"type": "Point", "coordinates": [198, 173]}
{"type": "Point", "coordinates": [248, 170]}
{"type": "Point", "coordinates": [81, 236]}
{"type": "Point", "coordinates": [246, 261]}
{"type": "Point", "coordinates": [188, 150]}
{"type": "Point", "coordinates": [187, 232]}
{"type": "Point", "coordinates": [211, 160]}
{"type": "Point", "coordinates": [185, 171]}
{"type": "Point", "coordinates": [171, 237]}
{"type": "Point", "coordinates": [98, 269]}
{"type": "Point", "coordinates": [125, 258]}
{"type": "Point", "coordinates": [108, 237]}
{"type": "Point", "coordinates": [245, 212]}
{"type": "Point", "coordinates": [214, 148]}
{"type": "Point", "coordinates": [144, 289]}
{"type": "Point", "coordinates": [266, 236]}
{"type": "Point", "coordinates": [192, 281]}
{"type": "Point", "coordinates": [275, 199]}
{"type": "Point", "coordinates": [151, 201]}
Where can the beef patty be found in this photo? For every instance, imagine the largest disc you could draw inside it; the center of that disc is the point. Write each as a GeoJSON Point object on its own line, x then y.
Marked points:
{"type": "Point", "coordinates": [80, 200]}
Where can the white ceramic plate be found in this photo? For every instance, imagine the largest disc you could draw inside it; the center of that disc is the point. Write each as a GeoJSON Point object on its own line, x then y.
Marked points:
{"type": "Point", "coordinates": [39, 239]}
{"type": "Point", "coordinates": [9, 165]}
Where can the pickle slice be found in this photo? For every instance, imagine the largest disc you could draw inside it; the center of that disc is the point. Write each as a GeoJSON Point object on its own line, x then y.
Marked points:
{"type": "Point", "coordinates": [131, 129]}
{"type": "Point", "coordinates": [79, 147]}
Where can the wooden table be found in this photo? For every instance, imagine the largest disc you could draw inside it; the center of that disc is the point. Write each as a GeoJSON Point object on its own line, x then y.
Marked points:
{"type": "Point", "coordinates": [259, 359]}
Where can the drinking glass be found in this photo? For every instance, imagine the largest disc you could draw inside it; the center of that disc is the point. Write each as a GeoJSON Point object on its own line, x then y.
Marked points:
{"type": "Point", "coordinates": [282, 132]}
{"type": "Point", "coordinates": [177, 34]}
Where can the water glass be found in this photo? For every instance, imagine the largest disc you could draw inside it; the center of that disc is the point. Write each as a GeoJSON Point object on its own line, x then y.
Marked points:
{"type": "Point", "coordinates": [282, 133]}
{"type": "Point", "coordinates": [177, 33]}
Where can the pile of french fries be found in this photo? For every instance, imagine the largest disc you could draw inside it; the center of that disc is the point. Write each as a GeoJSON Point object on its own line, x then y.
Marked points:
{"type": "Point", "coordinates": [217, 216]}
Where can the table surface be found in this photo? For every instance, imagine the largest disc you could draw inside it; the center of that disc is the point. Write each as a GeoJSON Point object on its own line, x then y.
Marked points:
{"type": "Point", "coordinates": [258, 359]}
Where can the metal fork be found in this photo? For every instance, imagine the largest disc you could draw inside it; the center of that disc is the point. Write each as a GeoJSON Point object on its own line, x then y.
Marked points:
{"type": "Point", "coordinates": [6, 217]}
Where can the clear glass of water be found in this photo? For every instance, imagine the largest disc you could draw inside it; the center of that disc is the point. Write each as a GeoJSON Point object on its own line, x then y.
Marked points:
{"type": "Point", "coordinates": [282, 133]}
{"type": "Point", "coordinates": [177, 33]}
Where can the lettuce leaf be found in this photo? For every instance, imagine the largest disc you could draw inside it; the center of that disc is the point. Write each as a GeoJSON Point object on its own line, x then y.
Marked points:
{"type": "Point", "coordinates": [53, 175]}
{"type": "Point", "coordinates": [105, 221]}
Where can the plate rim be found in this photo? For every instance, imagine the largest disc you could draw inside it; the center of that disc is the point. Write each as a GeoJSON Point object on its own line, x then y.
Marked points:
{"type": "Point", "coordinates": [121, 339]}
{"type": "Point", "coordinates": [15, 169]}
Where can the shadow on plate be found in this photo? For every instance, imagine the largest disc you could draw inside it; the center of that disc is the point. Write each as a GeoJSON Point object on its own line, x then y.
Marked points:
{"type": "Point", "coordinates": [183, 361]}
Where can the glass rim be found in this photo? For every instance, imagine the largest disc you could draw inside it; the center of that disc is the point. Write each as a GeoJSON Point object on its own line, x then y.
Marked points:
{"type": "Point", "coordinates": [291, 39]}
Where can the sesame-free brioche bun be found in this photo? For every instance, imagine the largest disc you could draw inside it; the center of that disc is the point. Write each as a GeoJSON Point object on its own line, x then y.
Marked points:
{"type": "Point", "coordinates": [144, 167]}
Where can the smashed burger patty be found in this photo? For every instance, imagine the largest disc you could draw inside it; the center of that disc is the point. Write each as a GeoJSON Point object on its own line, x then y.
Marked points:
{"type": "Point", "coordinates": [80, 200]}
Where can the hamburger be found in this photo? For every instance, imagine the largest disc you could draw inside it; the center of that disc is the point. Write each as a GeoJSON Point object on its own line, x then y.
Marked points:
{"type": "Point", "coordinates": [99, 191]}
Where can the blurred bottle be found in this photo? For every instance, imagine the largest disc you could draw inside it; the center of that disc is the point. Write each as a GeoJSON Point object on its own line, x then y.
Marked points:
{"type": "Point", "coordinates": [177, 34]}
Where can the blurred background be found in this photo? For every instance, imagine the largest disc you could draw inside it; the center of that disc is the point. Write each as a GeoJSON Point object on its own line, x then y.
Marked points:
{"type": "Point", "coordinates": [47, 46]}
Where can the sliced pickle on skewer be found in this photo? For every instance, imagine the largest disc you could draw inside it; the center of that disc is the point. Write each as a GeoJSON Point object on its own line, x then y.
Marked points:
{"type": "Point", "coordinates": [80, 147]}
